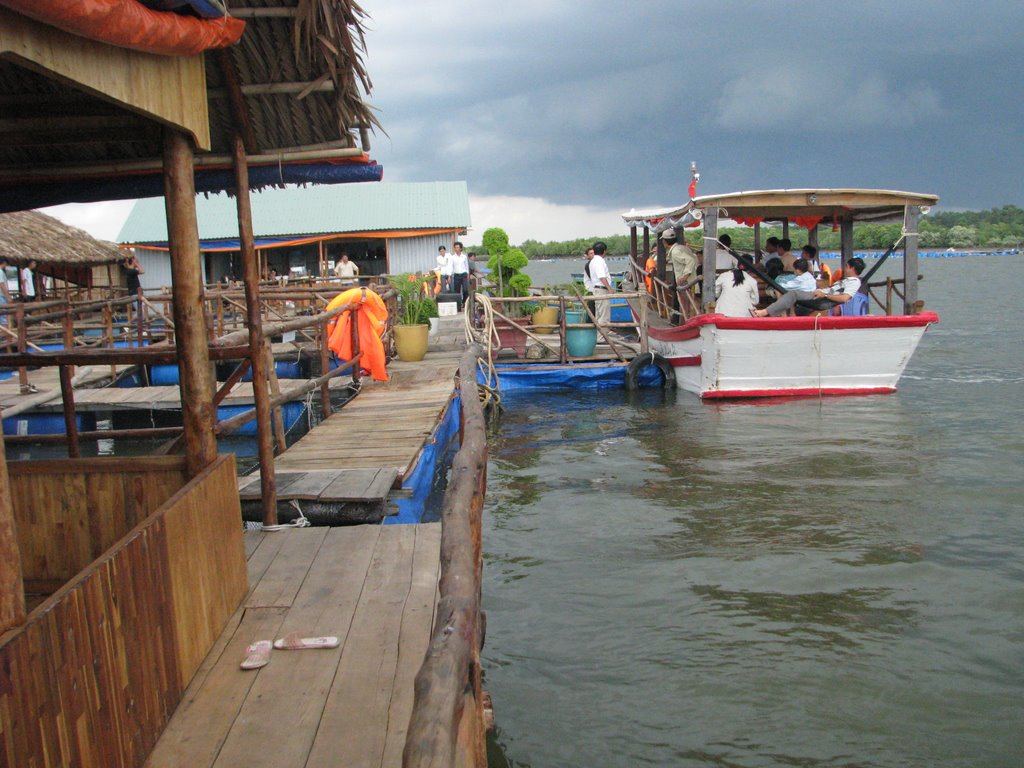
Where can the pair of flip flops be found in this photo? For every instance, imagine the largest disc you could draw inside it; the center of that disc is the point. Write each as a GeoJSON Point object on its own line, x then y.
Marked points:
{"type": "Point", "coordinates": [259, 652]}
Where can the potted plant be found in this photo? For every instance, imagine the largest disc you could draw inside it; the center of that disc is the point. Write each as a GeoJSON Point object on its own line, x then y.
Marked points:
{"type": "Point", "coordinates": [414, 308]}
{"type": "Point", "coordinates": [506, 265]}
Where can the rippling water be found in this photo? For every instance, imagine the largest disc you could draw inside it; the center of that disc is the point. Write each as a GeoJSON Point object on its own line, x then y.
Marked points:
{"type": "Point", "coordinates": [814, 583]}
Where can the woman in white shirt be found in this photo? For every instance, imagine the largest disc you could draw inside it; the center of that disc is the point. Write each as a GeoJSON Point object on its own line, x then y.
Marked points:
{"type": "Point", "coordinates": [736, 293]}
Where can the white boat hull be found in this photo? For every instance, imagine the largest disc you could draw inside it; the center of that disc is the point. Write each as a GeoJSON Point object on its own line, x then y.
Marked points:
{"type": "Point", "coordinates": [727, 357]}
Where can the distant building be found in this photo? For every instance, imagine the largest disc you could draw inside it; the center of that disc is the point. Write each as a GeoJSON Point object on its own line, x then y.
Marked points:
{"type": "Point", "coordinates": [384, 228]}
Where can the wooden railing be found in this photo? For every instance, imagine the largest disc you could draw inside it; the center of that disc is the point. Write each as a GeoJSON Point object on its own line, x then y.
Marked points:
{"type": "Point", "coordinates": [94, 673]}
{"type": "Point", "coordinates": [671, 302]}
{"type": "Point", "coordinates": [448, 719]}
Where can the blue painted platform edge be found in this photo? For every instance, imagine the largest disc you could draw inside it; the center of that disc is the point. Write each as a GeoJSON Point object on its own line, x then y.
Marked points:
{"type": "Point", "coordinates": [421, 479]}
{"type": "Point", "coordinates": [512, 378]}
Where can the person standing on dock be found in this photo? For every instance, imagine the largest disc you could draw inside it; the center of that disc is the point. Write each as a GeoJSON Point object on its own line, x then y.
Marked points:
{"type": "Point", "coordinates": [460, 273]}
{"type": "Point", "coordinates": [346, 270]}
{"type": "Point", "coordinates": [601, 281]}
{"type": "Point", "coordinates": [444, 269]}
{"type": "Point", "coordinates": [27, 277]}
{"type": "Point", "coordinates": [132, 270]}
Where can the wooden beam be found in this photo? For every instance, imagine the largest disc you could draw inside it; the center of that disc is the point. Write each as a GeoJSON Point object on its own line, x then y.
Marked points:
{"type": "Point", "coordinates": [910, 222]}
{"type": "Point", "coordinates": [710, 249]}
{"type": "Point", "coordinates": [239, 110]}
{"type": "Point", "coordinates": [254, 317]}
{"type": "Point", "coordinates": [12, 589]}
{"type": "Point", "coordinates": [189, 319]}
{"type": "Point", "coordinates": [845, 241]}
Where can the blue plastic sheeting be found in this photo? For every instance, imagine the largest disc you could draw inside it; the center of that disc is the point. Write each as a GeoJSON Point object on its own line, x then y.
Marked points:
{"type": "Point", "coordinates": [290, 413]}
{"type": "Point", "coordinates": [202, 8]}
{"type": "Point", "coordinates": [521, 377]}
{"type": "Point", "coordinates": [166, 375]}
{"type": "Point", "coordinates": [421, 480]}
{"type": "Point", "coordinates": [19, 197]}
{"type": "Point", "coordinates": [46, 423]}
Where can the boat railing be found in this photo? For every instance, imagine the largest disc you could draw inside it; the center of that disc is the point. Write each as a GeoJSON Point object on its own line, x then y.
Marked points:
{"type": "Point", "coordinates": [450, 709]}
{"type": "Point", "coordinates": [891, 286]}
{"type": "Point", "coordinates": [671, 302]}
{"type": "Point", "coordinates": [498, 313]}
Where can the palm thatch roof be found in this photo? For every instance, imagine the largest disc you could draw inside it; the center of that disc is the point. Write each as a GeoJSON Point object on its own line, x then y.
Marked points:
{"type": "Point", "coordinates": [294, 87]}
{"type": "Point", "coordinates": [27, 235]}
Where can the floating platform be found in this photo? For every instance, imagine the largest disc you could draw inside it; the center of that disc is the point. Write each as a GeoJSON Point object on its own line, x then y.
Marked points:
{"type": "Point", "coordinates": [375, 588]}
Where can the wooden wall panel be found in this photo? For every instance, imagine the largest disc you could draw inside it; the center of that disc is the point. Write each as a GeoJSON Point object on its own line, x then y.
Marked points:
{"type": "Point", "coordinates": [69, 511]}
{"type": "Point", "coordinates": [95, 673]}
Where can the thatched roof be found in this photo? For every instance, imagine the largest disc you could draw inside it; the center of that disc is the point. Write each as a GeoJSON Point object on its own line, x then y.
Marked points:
{"type": "Point", "coordinates": [295, 82]}
{"type": "Point", "coordinates": [27, 235]}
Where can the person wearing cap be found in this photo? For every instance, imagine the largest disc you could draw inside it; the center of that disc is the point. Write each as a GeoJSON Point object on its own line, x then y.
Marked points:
{"type": "Point", "coordinates": [683, 260]}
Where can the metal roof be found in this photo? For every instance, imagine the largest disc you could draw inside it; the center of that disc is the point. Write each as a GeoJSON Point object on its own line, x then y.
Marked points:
{"type": "Point", "coordinates": [315, 210]}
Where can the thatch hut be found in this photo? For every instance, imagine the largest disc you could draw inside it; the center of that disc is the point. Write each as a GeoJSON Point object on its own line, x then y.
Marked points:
{"type": "Point", "coordinates": [72, 257]}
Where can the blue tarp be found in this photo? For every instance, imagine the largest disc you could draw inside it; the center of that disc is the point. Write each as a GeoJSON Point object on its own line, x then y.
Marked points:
{"type": "Point", "coordinates": [585, 376]}
{"type": "Point", "coordinates": [421, 480]}
{"type": "Point", "coordinates": [27, 195]}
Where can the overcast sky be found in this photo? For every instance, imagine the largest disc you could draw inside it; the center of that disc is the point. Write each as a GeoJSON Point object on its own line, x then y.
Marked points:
{"type": "Point", "coordinates": [562, 115]}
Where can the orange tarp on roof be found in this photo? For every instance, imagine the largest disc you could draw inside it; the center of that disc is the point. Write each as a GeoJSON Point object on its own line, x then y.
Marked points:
{"type": "Point", "coordinates": [129, 24]}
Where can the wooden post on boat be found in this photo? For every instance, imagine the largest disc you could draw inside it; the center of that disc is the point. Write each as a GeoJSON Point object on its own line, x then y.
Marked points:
{"type": "Point", "coordinates": [67, 392]}
{"type": "Point", "coordinates": [662, 256]}
{"type": "Point", "coordinates": [710, 249]}
{"type": "Point", "coordinates": [757, 242]}
{"type": "Point", "coordinates": [257, 362]}
{"type": "Point", "coordinates": [785, 227]}
{"type": "Point", "coordinates": [647, 247]}
{"type": "Point", "coordinates": [812, 236]}
{"type": "Point", "coordinates": [197, 410]}
{"type": "Point", "coordinates": [12, 587]}
{"type": "Point", "coordinates": [845, 241]}
{"type": "Point", "coordinates": [910, 220]}
{"type": "Point", "coordinates": [632, 244]}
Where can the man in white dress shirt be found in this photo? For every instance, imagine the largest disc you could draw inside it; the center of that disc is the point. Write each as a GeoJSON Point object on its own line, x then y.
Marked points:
{"type": "Point", "coordinates": [600, 280]}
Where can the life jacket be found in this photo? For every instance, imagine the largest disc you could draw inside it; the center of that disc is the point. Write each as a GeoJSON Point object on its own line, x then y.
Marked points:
{"type": "Point", "coordinates": [650, 267]}
{"type": "Point", "coordinates": [372, 318]}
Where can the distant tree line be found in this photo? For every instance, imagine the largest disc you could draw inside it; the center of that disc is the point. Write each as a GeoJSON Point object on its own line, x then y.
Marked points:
{"type": "Point", "coordinates": [995, 228]}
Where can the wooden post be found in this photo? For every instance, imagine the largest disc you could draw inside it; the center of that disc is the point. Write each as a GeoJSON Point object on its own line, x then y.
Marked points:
{"type": "Point", "coordinates": [757, 242]}
{"type": "Point", "coordinates": [12, 588]}
{"type": "Point", "coordinates": [846, 241]}
{"type": "Point", "coordinates": [19, 318]}
{"type": "Point", "coordinates": [275, 389]}
{"type": "Point", "coordinates": [785, 227]}
{"type": "Point", "coordinates": [662, 256]}
{"type": "Point", "coordinates": [647, 247]}
{"type": "Point", "coordinates": [325, 363]}
{"type": "Point", "coordinates": [189, 321]}
{"type": "Point", "coordinates": [563, 353]}
{"type": "Point", "coordinates": [812, 236]}
{"type": "Point", "coordinates": [632, 244]}
{"type": "Point", "coordinates": [251, 280]}
{"type": "Point", "coordinates": [710, 247]}
{"type": "Point", "coordinates": [67, 392]}
{"type": "Point", "coordinates": [644, 341]}
{"type": "Point", "coordinates": [910, 220]}
{"type": "Point", "coordinates": [354, 330]}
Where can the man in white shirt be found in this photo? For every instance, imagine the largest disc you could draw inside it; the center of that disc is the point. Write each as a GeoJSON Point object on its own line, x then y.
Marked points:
{"type": "Point", "coordinates": [346, 270]}
{"type": "Point", "coordinates": [724, 259]}
{"type": "Point", "coordinates": [460, 273]}
{"type": "Point", "coordinates": [28, 281]}
{"type": "Point", "coordinates": [839, 293]}
{"type": "Point", "coordinates": [444, 269]}
{"type": "Point", "coordinates": [601, 280]}
{"type": "Point", "coordinates": [800, 287]}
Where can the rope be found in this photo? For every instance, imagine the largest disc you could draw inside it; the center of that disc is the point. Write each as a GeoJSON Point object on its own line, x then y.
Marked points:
{"type": "Point", "coordinates": [299, 522]}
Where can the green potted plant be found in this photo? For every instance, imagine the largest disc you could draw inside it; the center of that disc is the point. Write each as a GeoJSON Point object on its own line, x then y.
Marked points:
{"type": "Point", "coordinates": [506, 265]}
{"type": "Point", "coordinates": [411, 323]}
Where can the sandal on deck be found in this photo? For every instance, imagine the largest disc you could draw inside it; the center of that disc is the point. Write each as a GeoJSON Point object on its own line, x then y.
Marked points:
{"type": "Point", "coordinates": [259, 655]}
{"type": "Point", "coordinates": [295, 642]}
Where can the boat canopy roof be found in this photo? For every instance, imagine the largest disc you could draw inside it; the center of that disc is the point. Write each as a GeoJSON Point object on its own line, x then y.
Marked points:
{"type": "Point", "coordinates": [817, 205]}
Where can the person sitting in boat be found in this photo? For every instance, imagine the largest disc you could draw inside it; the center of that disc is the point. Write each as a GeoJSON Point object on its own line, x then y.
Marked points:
{"type": "Point", "coordinates": [801, 286]}
{"type": "Point", "coordinates": [723, 258]}
{"type": "Point", "coordinates": [785, 256]}
{"type": "Point", "coordinates": [840, 293]}
{"type": "Point", "coordinates": [771, 251]}
{"type": "Point", "coordinates": [736, 293]}
{"type": "Point", "coordinates": [810, 254]}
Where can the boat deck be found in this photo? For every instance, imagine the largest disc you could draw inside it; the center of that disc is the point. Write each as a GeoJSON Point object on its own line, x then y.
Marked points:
{"type": "Point", "coordinates": [374, 587]}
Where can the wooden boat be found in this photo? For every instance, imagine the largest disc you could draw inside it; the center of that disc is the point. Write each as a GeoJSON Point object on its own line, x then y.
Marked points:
{"type": "Point", "coordinates": [741, 357]}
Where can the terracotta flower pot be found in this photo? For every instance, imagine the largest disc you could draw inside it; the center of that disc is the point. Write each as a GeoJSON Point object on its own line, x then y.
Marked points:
{"type": "Point", "coordinates": [411, 342]}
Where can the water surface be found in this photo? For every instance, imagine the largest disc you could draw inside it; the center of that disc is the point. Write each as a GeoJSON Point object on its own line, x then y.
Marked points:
{"type": "Point", "coordinates": [833, 582]}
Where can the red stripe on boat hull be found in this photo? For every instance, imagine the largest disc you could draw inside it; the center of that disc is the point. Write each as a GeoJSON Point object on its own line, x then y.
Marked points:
{"type": "Point", "coordinates": [797, 392]}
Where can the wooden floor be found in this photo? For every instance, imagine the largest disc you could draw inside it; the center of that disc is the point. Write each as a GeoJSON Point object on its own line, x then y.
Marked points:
{"type": "Point", "coordinates": [373, 586]}
{"type": "Point", "coordinates": [366, 448]}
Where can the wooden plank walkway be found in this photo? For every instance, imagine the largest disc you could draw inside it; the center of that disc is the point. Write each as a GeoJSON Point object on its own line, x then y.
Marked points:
{"type": "Point", "coordinates": [365, 449]}
{"type": "Point", "coordinates": [373, 586]}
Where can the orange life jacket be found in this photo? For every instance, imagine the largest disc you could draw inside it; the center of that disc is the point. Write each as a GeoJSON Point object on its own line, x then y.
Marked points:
{"type": "Point", "coordinates": [372, 319]}
{"type": "Point", "coordinates": [650, 266]}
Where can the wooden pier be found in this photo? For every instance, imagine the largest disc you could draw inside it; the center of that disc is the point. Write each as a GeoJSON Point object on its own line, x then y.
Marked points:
{"type": "Point", "coordinates": [375, 588]}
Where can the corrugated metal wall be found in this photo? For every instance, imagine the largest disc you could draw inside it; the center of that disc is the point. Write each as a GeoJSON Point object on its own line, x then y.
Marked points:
{"type": "Point", "coordinates": [157, 266]}
{"type": "Point", "coordinates": [416, 254]}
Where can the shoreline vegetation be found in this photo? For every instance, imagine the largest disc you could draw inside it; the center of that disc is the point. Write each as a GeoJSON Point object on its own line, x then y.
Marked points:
{"type": "Point", "coordinates": [995, 229]}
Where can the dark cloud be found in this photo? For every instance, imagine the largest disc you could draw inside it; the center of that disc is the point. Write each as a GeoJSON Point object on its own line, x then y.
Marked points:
{"type": "Point", "coordinates": [605, 103]}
